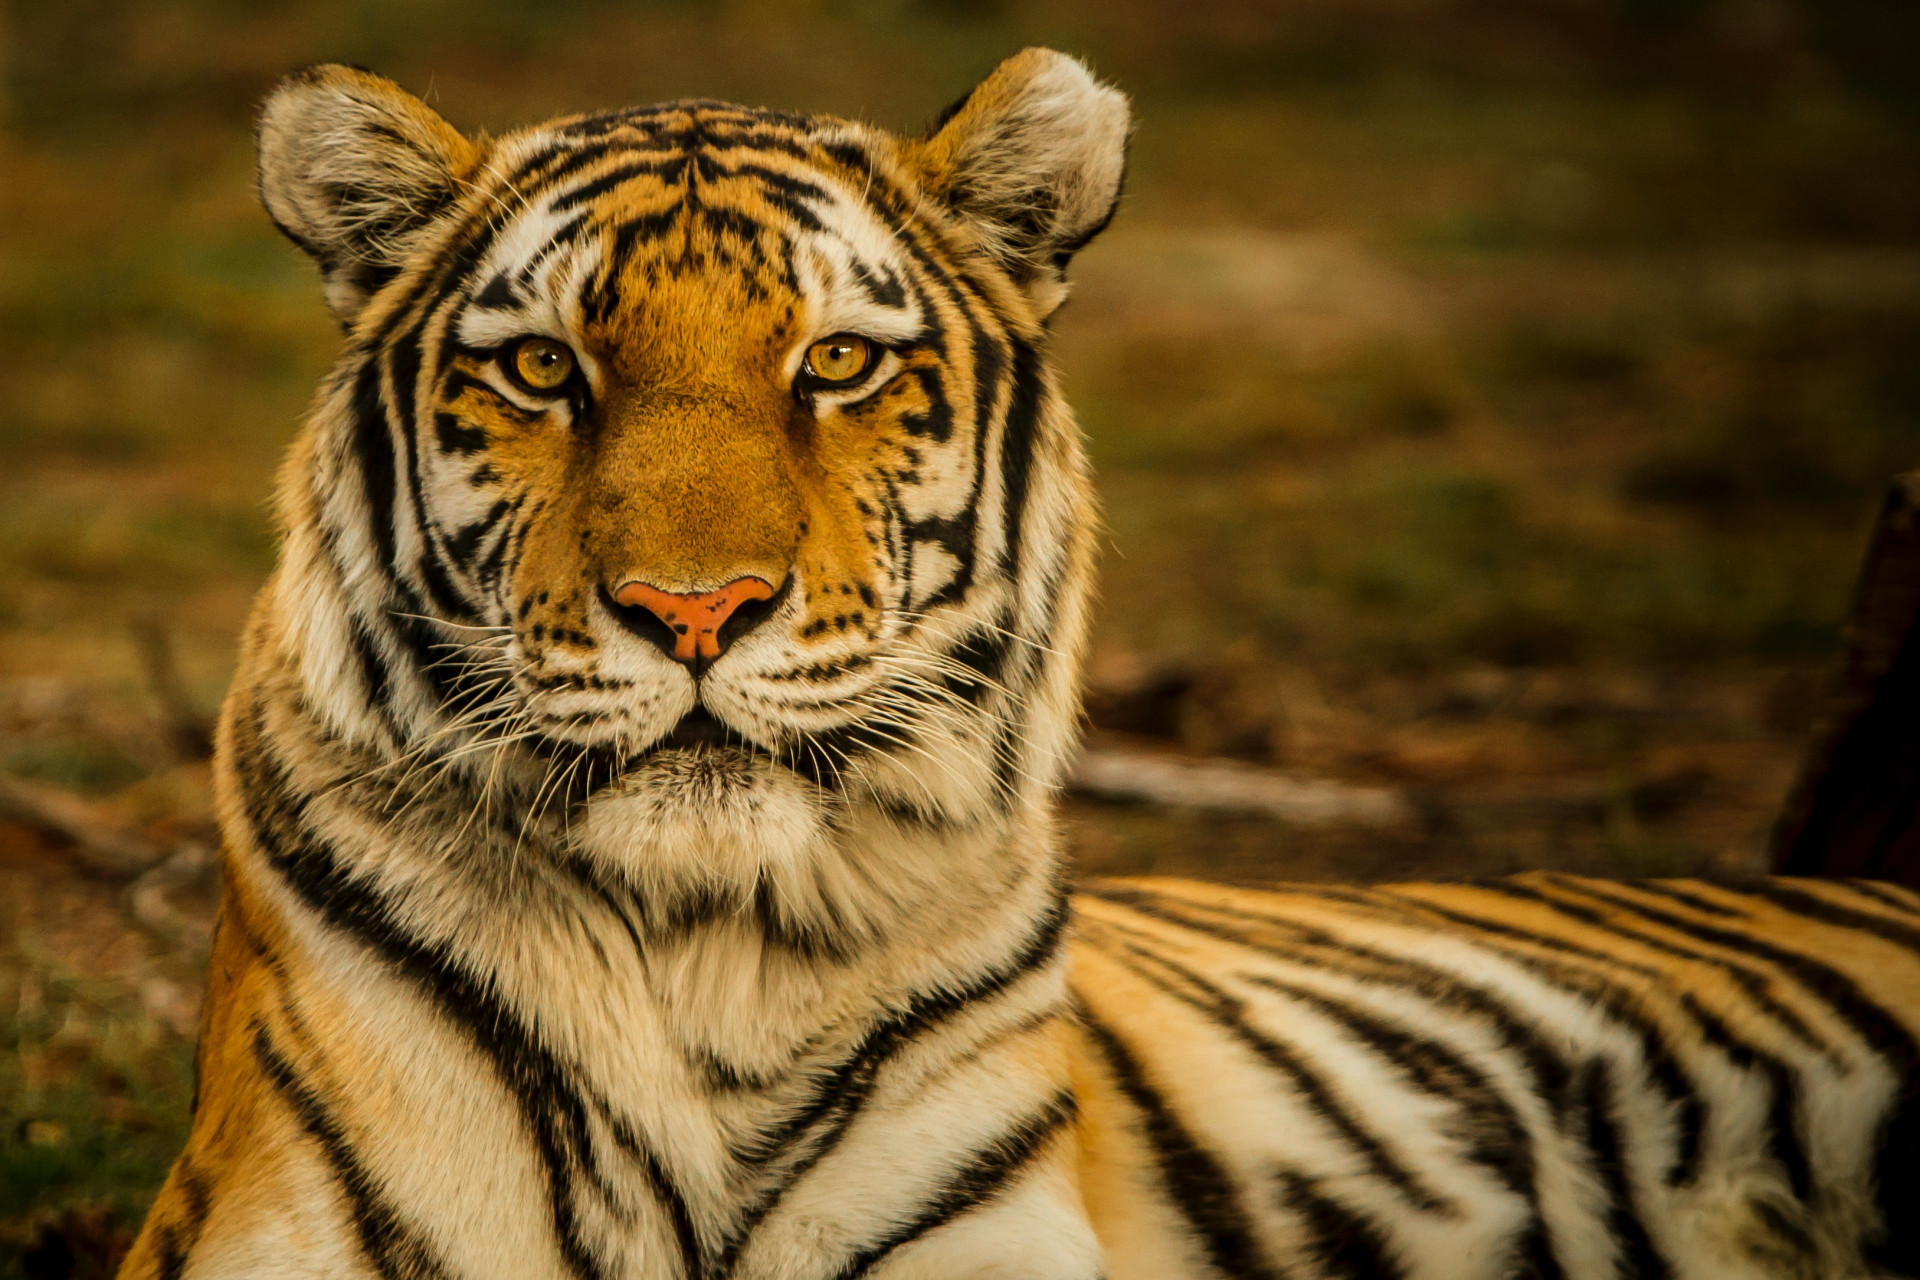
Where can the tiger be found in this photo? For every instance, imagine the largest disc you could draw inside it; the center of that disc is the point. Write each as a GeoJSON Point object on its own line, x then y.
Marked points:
{"type": "Point", "coordinates": [638, 799]}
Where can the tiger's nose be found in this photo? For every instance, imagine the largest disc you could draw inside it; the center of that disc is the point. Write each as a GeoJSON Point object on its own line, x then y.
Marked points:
{"type": "Point", "coordinates": [698, 625]}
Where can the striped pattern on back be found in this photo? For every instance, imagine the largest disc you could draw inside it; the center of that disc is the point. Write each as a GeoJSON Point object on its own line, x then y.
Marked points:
{"type": "Point", "coordinates": [1542, 1076]}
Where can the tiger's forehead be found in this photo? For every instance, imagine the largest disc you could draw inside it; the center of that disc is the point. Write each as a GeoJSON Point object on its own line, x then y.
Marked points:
{"type": "Point", "coordinates": [690, 214]}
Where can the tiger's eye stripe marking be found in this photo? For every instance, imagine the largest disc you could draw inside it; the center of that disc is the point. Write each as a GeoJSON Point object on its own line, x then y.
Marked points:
{"type": "Point", "coordinates": [457, 436]}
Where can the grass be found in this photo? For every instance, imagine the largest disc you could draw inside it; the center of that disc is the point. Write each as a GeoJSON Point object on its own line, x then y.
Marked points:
{"type": "Point", "coordinates": [93, 1108]}
{"type": "Point", "coordinates": [1484, 396]}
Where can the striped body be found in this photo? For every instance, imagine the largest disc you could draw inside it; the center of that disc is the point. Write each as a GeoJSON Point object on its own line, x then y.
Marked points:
{"type": "Point", "coordinates": [1544, 1076]}
{"type": "Point", "coordinates": [556, 944]}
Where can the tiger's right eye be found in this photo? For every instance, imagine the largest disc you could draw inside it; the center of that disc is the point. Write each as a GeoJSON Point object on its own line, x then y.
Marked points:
{"type": "Point", "coordinates": [840, 360]}
{"type": "Point", "coordinates": [541, 365]}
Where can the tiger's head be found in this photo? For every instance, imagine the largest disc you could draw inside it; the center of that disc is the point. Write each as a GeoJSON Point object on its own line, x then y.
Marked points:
{"type": "Point", "coordinates": [702, 464]}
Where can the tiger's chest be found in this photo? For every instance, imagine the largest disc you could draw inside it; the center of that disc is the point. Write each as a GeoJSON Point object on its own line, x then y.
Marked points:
{"type": "Point", "coordinates": [551, 1114]}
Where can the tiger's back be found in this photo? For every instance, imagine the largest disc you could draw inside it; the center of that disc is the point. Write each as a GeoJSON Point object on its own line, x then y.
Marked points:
{"type": "Point", "coordinates": [1539, 1076]}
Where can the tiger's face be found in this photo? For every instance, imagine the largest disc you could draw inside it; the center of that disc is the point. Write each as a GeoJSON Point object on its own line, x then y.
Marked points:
{"type": "Point", "coordinates": [708, 458]}
{"type": "Point", "coordinates": [702, 440]}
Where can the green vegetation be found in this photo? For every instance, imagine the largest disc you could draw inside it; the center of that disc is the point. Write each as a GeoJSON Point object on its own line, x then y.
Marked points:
{"type": "Point", "coordinates": [93, 1100]}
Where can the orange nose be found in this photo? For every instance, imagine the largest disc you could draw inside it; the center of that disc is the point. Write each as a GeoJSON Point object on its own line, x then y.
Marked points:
{"type": "Point", "coordinates": [695, 618]}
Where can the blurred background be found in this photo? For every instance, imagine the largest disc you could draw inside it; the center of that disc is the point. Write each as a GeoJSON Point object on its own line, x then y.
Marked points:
{"type": "Point", "coordinates": [1491, 400]}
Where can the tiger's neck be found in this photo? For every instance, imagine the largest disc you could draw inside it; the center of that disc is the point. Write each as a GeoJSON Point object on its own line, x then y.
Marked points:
{"type": "Point", "coordinates": [748, 956]}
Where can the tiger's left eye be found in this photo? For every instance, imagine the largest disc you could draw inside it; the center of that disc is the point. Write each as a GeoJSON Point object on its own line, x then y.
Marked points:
{"type": "Point", "coordinates": [839, 360]}
{"type": "Point", "coordinates": [541, 364]}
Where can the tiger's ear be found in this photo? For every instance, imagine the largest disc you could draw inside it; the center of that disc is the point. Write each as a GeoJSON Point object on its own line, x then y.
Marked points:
{"type": "Point", "coordinates": [352, 168]}
{"type": "Point", "coordinates": [1033, 158]}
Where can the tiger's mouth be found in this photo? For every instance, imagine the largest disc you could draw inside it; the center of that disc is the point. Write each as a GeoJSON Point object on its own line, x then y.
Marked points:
{"type": "Point", "coordinates": [699, 730]}
{"type": "Point", "coordinates": [703, 735]}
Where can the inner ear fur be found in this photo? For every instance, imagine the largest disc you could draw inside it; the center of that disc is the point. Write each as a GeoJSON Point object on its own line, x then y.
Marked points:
{"type": "Point", "coordinates": [352, 168]}
{"type": "Point", "coordinates": [1033, 159]}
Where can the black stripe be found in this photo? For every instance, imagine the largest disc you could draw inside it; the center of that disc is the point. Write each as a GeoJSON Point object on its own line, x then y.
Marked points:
{"type": "Point", "coordinates": [1686, 897]}
{"type": "Point", "coordinates": [1892, 895]}
{"type": "Point", "coordinates": [787, 184]}
{"type": "Point", "coordinates": [466, 539]}
{"type": "Point", "coordinates": [373, 449]}
{"type": "Point", "coordinates": [982, 1177]}
{"type": "Point", "coordinates": [392, 1246]}
{"type": "Point", "coordinates": [1783, 1130]}
{"type": "Point", "coordinates": [1550, 1072]}
{"type": "Point", "coordinates": [1492, 1131]}
{"type": "Point", "coordinates": [1598, 985]}
{"type": "Point", "coordinates": [457, 436]}
{"type": "Point", "coordinates": [1341, 1243]}
{"type": "Point", "coordinates": [1594, 1094]}
{"type": "Point", "coordinates": [170, 1258]}
{"type": "Point", "coordinates": [1837, 990]}
{"type": "Point", "coordinates": [197, 1194]}
{"type": "Point", "coordinates": [1229, 1012]}
{"type": "Point", "coordinates": [667, 168]}
{"type": "Point", "coordinates": [497, 295]}
{"type": "Point", "coordinates": [403, 363]}
{"type": "Point", "coordinates": [1018, 434]}
{"type": "Point", "coordinates": [375, 675]}
{"type": "Point", "coordinates": [490, 569]}
{"type": "Point", "coordinates": [1200, 1188]}
{"type": "Point", "coordinates": [1783, 894]}
{"type": "Point", "coordinates": [1897, 1145]}
{"type": "Point", "coordinates": [547, 169]}
{"type": "Point", "coordinates": [1753, 983]}
{"type": "Point", "coordinates": [1783, 1110]}
{"type": "Point", "coordinates": [822, 1124]}
{"type": "Point", "coordinates": [1621, 1002]}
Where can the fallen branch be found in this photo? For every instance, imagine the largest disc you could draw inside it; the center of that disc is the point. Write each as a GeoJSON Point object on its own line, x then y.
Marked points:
{"type": "Point", "coordinates": [101, 847]}
{"type": "Point", "coordinates": [1224, 786]}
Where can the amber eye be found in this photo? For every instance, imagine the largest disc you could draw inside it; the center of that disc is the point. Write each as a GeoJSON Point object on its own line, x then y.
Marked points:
{"type": "Point", "coordinates": [541, 364]}
{"type": "Point", "coordinates": [838, 360]}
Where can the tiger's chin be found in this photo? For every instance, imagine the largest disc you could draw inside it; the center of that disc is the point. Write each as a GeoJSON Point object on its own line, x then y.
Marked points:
{"type": "Point", "coordinates": [713, 818]}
